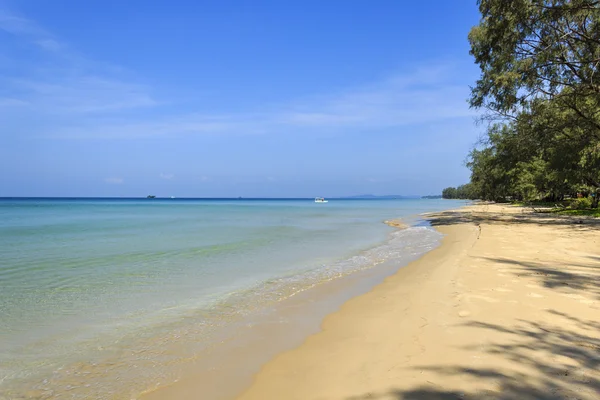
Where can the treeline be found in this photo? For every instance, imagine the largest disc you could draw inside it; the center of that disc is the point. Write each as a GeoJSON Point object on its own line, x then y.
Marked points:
{"type": "Point", "coordinates": [465, 192]}
{"type": "Point", "coordinates": [540, 89]}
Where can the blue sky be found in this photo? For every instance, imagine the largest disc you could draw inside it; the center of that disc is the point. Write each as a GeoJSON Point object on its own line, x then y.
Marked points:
{"type": "Point", "coordinates": [234, 98]}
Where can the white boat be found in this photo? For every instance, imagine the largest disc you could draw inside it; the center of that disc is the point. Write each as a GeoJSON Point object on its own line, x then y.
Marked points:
{"type": "Point", "coordinates": [320, 200]}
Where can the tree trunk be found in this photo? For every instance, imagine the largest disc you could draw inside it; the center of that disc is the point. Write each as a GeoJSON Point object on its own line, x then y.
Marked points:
{"type": "Point", "coordinates": [595, 198]}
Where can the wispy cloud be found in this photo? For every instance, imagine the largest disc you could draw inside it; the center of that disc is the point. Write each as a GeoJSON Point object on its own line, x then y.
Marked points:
{"type": "Point", "coordinates": [114, 181]}
{"type": "Point", "coordinates": [98, 100]}
{"type": "Point", "coordinates": [81, 94]}
{"type": "Point", "coordinates": [7, 102]}
{"type": "Point", "coordinates": [18, 26]}
{"type": "Point", "coordinates": [418, 96]}
{"type": "Point", "coordinates": [49, 44]}
{"type": "Point", "coordinates": [415, 97]}
{"type": "Point", "coordinates": [64, 81]}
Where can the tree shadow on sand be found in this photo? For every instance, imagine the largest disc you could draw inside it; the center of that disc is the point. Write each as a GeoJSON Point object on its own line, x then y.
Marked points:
{"type": "Point", "coordinates": [560, 359]}
{"type": "Point", "coordinates": [527, 217]}
{"type": "Point", "coordinates": [579, 277]}
{"type": "Point", "coordinates": [543, 360]}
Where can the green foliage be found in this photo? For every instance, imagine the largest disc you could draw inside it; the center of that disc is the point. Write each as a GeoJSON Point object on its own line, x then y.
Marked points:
{"type": "Point", "coordinates": [591, 213]}
{"type": "Point", "coordinates": [449, 193]}
{"type": "Point", "coordinates": [465, 192]}
{"type": "Point", "coordinates": [539, 203]}
{"type": "Point", "coordinates": [530, 49]}
{"type": "Point", "coordinates": [581, 203]}
{"type": "Point", "coordinates": [538, 59]}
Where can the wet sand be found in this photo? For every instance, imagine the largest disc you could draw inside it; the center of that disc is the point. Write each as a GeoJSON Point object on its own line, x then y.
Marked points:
{"type": "Point", "coordinates": [507, 308]}
{"type": "Point", "coordinates": [227, 367]}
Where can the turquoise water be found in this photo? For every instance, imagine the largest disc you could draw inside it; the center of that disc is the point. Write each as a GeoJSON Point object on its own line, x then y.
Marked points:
{"type": "Point", "coordinates": [86, 283]}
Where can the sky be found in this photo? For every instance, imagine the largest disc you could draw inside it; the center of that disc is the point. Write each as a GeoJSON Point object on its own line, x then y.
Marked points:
{"type": "Point", "coordinates": [232, 98]}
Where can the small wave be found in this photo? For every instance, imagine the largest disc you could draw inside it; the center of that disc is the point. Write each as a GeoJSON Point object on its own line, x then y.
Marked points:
{"type": "Point", "coordinates": [396, 223]}
{"type": "Point", "coordinates": [402, 246]}
{"type": "Point", "coordinates": [148, 344]}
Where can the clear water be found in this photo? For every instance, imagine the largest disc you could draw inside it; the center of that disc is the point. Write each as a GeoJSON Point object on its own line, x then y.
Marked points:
{"type": "Point", "coordinates": [94, 286]}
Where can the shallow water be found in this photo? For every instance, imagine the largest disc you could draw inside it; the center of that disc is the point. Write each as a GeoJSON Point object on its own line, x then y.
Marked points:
{"type": "Point", "coordinates": [91, 289]}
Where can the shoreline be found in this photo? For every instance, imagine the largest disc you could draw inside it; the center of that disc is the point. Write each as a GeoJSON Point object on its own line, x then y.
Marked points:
{"type": "Point", "coordinates": [339, 326]}
{"type": "Point", "coordinates": [506, 307]}
{"type": "Point", "coordinates": [227, 370]}
{"type": "Point", "coordinates": [114, 357]}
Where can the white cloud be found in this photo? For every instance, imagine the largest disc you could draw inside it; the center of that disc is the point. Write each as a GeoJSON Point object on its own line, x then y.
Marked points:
{"type": "Point", "coordinates": [49, 44]}
{"type": "Point", "coordinates": [7, 102]}
{"type": "Point", "coordinates": [418, 97]}
{"type": "Point", "coordinates": [114, 181]}
{"type": "Point", "coordinates": [82, 94]}
{"type": "Point", "coordinates": [94, 96]}
{"type": "Point", "coordinates": [15, 25]}
{"type": "Point", "coordinates": [411, 98]}
{"type": "Point", "coordinates": [29, 30]}
{"type": "Point", "coordinates": [73, 84]}
{"type": "Point", "coordinates": [166, 176]}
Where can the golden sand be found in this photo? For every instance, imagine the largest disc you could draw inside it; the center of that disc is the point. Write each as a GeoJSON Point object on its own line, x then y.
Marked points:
{"type": "Point", "coordinates": [507, 308]}
{"type": "Point", "coordinates": [396, 223]}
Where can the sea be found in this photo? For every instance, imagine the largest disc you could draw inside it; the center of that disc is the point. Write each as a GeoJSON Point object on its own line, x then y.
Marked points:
{"type": "Point", "coordinates": [95, 292]}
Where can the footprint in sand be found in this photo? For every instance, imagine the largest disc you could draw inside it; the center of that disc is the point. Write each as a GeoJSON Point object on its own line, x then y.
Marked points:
{"type": "Point", "coordinates": [464, 313]}
{"type": "Point", "coordinates": [501, 289]}
{"type": "Point", "coordinates": [484, 298]}
{"type": "Point", "coordinates": [535, 295]}
{"type": "Point", "coordinates": [574, 296]}
{"type": "Point", "coordinates": [586, 301]}
{"type": "Point", "coordinates": [582, 299]}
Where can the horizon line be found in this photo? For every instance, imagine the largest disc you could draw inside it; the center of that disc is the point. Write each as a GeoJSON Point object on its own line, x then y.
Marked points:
{"type": "Point", "coordinates": [352, 197]}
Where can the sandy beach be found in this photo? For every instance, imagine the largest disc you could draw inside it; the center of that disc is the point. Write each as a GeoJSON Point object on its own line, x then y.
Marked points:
{"type": "Point", "coordinates": [508, 307]}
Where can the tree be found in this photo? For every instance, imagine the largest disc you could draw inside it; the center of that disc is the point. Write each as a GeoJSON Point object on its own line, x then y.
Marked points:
{"type": "Point", "coordinates": [449, 193]}
{"type": "Point", "coordinates": [539, 75]}
{"type": "Point", "coordinates": [531, 49]}
{"type": "Point", "coordinates": [465, 192]}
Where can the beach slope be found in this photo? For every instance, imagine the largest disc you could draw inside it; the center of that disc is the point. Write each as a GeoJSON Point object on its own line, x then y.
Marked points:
{"type": "Point", "coordinates": [508, 307]}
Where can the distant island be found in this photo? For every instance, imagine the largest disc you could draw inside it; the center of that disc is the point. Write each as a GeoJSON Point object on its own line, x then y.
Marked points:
{"type": "Point", "coordinates": [437, 196]}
